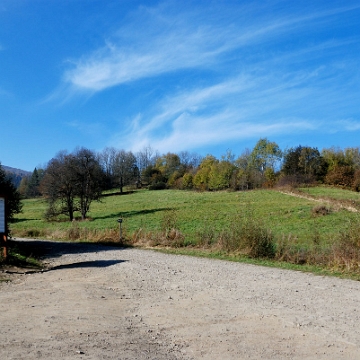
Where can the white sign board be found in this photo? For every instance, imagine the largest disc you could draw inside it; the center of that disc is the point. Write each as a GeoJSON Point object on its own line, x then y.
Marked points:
{"type": "Point", "coordinates": [2, 215]}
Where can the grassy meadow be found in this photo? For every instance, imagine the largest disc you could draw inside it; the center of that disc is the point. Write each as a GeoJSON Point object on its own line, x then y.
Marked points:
{"type": "Point", "coordinates": [194, 211]}
{"type": "Point", "coordinates": [299, 234]}
{"type": "Point", "coordinates": [323, 192]}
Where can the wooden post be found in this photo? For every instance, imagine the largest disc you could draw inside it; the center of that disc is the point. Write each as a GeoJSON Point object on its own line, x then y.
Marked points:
{"type": "Point", "coordinates": [120, 221]}
{"type": "Point", "coordinates": [5, 253]}
{"type": "Point", "coordinates": [3, 225]}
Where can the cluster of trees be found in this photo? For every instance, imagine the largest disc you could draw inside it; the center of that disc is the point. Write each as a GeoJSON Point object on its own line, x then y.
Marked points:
{"type": "Point", "coordinates": [333, 166]}
{"type": "Point", "coordinates": [266, 165]}
{"type": "Point", "coordinates": [29, 186]}
{"type": "Point", "coordinates": [71, 181]}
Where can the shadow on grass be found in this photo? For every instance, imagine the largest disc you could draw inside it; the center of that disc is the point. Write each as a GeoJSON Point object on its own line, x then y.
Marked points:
{"type": "Point", "coordinates": [22, 220]}
{"type": "Point", "coordinates": [126, 214]}
{"type": "Point", "coordinates": [118, 193]}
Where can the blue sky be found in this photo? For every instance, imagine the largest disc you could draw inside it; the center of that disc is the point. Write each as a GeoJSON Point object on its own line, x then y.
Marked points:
{"type": "Point", "coordinates": [202, 76]}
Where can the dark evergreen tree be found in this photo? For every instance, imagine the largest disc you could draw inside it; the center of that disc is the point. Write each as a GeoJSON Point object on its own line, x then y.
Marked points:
{"type": "Point", "coordinates": [33, 185]}
{"type": "Point", "coordinates": [7, 189]}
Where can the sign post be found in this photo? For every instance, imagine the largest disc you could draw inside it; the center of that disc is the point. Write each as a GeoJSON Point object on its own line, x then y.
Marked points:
{"type": "Point", "coordinates": [120, 222]}
{"type": "Point", "coordinates": [3, 225]}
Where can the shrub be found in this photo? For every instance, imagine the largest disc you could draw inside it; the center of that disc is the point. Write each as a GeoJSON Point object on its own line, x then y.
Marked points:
{"type": "Point", "coordinates": [320, 210]}
{"type": "Point", "coordinates": [230, 240]}
{"type": "Point", "coordinates": [347, 248]}
{"type": "Point", "coordinates": [157, 186]}
{"type": "Point", "coordinates": [33, 233]}
{"type": "Point", "coordinates": [295, 180]}
{"type": "Point", "coordinates": [284, 248]}
{"type": "Point", "coordinates": [356, 181]}
{"type": "Point", "coordinates": [289, 249]}
{"type": "Point", "coordinates": [206, 236]}
{"type": "Point", "coordinates": [245, 236]}
{"type": "Point", "coordinates": [258, 240]}
{"type": "Point", "coordinates": [169, 234]}
{"type": "Point", "coordinates": [74, 233]}
{"type": "Point", "coordinates": [341, 176]}
{"type": "Point", "coordinates": [169, 221]}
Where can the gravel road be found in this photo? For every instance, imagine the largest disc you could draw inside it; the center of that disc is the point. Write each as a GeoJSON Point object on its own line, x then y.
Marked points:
{"type": "Point", "coordinates": [99, 302]}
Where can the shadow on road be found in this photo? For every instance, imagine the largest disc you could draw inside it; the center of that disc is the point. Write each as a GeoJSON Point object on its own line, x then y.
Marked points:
{"type": "Point", "coordinates": [43, 249]}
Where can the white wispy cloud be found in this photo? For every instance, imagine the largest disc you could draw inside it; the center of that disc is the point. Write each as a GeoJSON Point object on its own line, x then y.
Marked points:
{"type": "Point", "coordinates": [245, 107]}
{"type": "Point", "coordinates": [212, 130]}
{"type": "Point", "coordinates": [347, 125]}
{"type": "Point", "coordinates": [172, 41]}
{"type": "Point", "coordinates": [256, 85]}
{"type": "Point", "coordinates": [88, 128]}
{"type": "Point", "coordinates": [240, 108]}
{"type": "Point", "coordinates": [171, 48]}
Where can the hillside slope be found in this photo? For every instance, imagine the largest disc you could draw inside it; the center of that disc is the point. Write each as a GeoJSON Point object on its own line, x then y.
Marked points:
{"type": "Point", "coordinates": [16, 174]}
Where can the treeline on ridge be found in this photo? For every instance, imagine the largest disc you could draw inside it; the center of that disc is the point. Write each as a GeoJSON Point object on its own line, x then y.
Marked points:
{"type": "Point", "coordinates": [70, 181]}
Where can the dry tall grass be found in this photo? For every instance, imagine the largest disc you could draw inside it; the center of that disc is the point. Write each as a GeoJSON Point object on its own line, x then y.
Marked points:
{"type": "Point", "coordinates": [245, 237]}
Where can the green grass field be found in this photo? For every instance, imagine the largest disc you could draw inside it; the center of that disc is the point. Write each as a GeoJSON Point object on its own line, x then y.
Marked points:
{"type": "Point", "coordinates": [332, 192]}
{"type": "Point", "coordinates": [299, 235]}
{"type": "Point", "coordinates": [283, 214]}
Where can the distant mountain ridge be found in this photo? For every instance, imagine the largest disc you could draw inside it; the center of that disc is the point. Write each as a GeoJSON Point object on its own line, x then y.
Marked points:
{"type": "Point", "coordinates": [15, 171]}
{"type": "Point", "coordinates": [16, 175]}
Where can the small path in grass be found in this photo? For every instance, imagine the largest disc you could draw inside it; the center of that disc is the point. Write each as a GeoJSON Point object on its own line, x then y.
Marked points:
{"type": "Point", "coordinates": [98, 302]}
{"type": "Point", "coordinates": [337, 204]}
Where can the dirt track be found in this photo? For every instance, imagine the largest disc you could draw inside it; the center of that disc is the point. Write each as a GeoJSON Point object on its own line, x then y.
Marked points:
{"type": "Point", "coordinates": [106, 303]}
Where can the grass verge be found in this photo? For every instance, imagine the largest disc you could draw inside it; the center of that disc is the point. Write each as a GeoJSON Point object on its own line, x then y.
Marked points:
{"type": "Point", "coordinates": [21, 255]}
{"type": "Point", "coordinates": [256, 226]}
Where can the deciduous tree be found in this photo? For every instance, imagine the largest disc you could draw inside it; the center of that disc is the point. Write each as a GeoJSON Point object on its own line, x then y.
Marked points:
{"type": "Point", "coordinates": [304, 163]}
{"type": "Point", "coordinates": [202, 176]}
{"type": "Point", "coordinates": [58, 186]}
{"type": "Point", "coordinates": [247, 176]}
{"type": "Point", "coordinates": [126, 171]}
{"type": "Point", "coordinates": [221, 172]}
{"type": "Point", "coordinates": [266, 154]}
{"type": "Point", "coordinates": [89, 179]}
{"type": "Point", "coordinates": [107, 161]}
{"type": "Point", "coordinates": [72, 182]}
{"type": "Point", "coordinates": [145, 158]}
